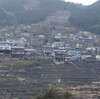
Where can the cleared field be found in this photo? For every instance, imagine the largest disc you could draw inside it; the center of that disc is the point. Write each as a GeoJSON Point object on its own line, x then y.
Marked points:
{"type": "Point", "coordinates": [26, 81]}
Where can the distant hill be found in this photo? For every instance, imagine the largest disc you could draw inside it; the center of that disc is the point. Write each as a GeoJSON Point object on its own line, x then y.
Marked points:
{"type": "Point", "coordinates": [88, 18]}
{"type": "Point", "coordinates": [3, 17]}
{"type": "Point", "coordinates": [34, 11]}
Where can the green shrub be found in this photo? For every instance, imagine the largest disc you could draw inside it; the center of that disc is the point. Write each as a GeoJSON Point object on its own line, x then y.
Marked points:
{"type": "Point", "coordinates": [48, 94]}
{"type": "Point", "coordinates": [67, 95]}
{"type": "Point", "coordinates": [39, 96]}
{"type": "Point", "coordinates": [53, 93]}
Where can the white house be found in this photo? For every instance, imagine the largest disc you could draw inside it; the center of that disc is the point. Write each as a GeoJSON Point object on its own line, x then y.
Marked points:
{"type": "Point", "coordinates": [58, 44]}
{"type": "Point", "coordinates": [58, 36]}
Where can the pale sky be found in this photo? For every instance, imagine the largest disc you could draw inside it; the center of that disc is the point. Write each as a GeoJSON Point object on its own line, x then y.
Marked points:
{"type": "Point", "coordinates": [84, 2]}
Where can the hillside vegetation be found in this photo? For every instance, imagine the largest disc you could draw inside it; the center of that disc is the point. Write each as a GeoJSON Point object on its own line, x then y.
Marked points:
{"type": "Point", "coordinates": [88, 18]}
{"type": "Point", "coordinates": [33, 11]}
{"type": "Point", "coordinates": [28, 12]}
{"type": "Point", "coordinates": [54, 94]}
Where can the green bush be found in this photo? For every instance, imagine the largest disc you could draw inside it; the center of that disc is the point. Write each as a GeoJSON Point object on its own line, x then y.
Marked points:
{"type": "Point", "coordinates": [53, 93]}
{"type": "Point", "coordinates": [40, 96]}
{"type": "Point", "coordinates": [48, 94]}
{"type": "Point", "coordinates": [67, 95]}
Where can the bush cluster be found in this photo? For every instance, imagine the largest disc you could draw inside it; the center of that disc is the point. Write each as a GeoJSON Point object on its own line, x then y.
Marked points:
{"type": "Point", "coordinates": [53, 93]}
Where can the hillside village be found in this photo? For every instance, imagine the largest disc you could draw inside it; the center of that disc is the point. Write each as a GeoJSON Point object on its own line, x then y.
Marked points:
{"type": "Point", "coordinates": [47, 44]}
{"type": "Point", "coordinates": [18, 42]}
{"type": "Point", "coordinates": [68, 61]}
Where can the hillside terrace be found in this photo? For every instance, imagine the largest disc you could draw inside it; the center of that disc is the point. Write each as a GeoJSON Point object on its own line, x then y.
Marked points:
{"type": "Point", "coordinates": [27, 81]}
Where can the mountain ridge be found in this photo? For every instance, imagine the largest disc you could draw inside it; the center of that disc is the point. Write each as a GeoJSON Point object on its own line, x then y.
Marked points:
{"type": "Point", "coordinates": [28, 12]}
{"type": "Point", "coordinates": [34, 11]}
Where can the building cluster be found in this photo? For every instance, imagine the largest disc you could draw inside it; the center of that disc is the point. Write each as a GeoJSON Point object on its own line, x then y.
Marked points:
{"type": "Point", "coordinates": [18, 42]}
{"type": "Point", "coordinates": [78, 49]}
{"type": "Point", "coordinates": [82, 46]}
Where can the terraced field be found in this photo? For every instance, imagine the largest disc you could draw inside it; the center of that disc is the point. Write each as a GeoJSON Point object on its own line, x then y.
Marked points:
{"type": "Point", "coordinates": [25, 82]}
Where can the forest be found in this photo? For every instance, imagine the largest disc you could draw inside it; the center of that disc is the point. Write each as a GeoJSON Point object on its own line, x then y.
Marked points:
{"type": "Point", "coordinates": [14, 12]}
